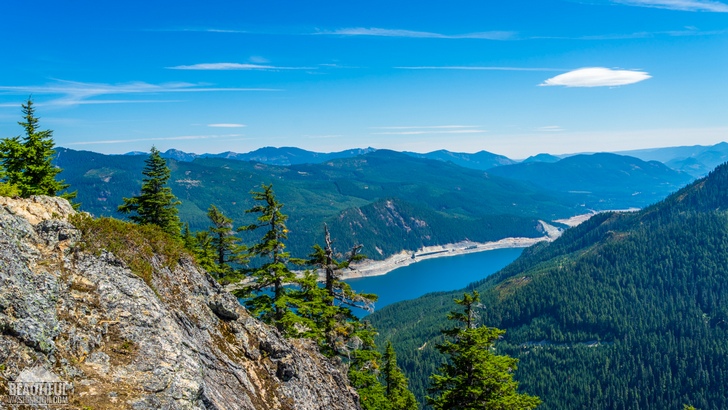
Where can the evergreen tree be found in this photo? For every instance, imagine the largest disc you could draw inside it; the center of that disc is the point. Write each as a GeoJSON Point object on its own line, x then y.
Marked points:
{"type": "Point", "coordinates": [364, 370]}
{"type": "Point", "coordinates": [187, 238]}
{"type": "Point", "coordinates": [224, 242]}
{"type": "Point", "coordinates": [28, 161]}
{"type": "Point", "coordinates": [335, 322]}
{"type": "Point", "coordinates": [267, 296]}
{"type": "Point", "coordinates": [474, 377]}
{"type": "Point", "coordinates": [156, 204]}
{"type": "Point", "coordinates": [339, 291]}
{"type": "Point", "coordinates": [200, 244]}
{"type": "Point", "coordinates": [397, 392]}
{"type": "Point", "coordinates": [317, 316]}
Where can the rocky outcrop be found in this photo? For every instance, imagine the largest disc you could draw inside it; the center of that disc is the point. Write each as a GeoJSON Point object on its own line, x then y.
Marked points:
{"type": "Point", "coordinates": [181, 343]}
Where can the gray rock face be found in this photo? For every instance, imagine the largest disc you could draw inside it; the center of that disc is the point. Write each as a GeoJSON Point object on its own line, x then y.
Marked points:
{"type": "Point", "coordinates": [183, 343]}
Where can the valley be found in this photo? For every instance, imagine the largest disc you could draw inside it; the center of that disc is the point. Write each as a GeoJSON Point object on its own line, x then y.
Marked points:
{"type": "Point", "coordinates": [626, 310]}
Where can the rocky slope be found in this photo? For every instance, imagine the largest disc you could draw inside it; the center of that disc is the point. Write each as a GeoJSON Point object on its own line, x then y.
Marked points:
{"type": "Point", "coordinates": [181, 343]}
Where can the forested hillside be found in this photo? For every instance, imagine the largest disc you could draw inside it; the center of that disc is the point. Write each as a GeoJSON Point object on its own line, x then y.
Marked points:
{"type": "Point", "coordinates": [626, 311]}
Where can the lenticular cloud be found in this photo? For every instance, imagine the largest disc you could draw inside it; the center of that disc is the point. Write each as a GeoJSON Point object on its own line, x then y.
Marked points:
{"type": "Point", "coordinates": [597, 77]}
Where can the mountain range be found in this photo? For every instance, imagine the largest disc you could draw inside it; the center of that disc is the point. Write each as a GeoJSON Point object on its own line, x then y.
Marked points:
{"type": "Point", "coordinates": [419, 202]}
{"type": "Point", "coordinates": [388, 201]}
{"type": "Point", "coordinates": [625, 311]}
{"type": "Point", "coordinates": [615, 181]}
{"type": "Point", "coordinates": [696, 160]}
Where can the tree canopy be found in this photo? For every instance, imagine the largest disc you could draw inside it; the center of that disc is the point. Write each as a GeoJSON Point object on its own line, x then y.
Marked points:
{"type": "Point", "coordinates": [474, 377]}
{"type": "Point", "coordinates": [27, 167]}
{"type": "Point", "coordinates": [397, 391]}
{"type": "Point", "coordinates": [156, 204]}
{"type": "Point", "coordinates": [267, 296]}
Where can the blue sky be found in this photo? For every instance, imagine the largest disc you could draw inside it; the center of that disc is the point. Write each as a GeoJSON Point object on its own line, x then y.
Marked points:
{"type": "Point", "coordinates": [511, 77]}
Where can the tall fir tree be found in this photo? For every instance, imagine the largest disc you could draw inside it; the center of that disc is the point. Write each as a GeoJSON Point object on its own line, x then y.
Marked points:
{"type": "Point", "coordinates": [365, 369]}
{"type": "Point", "coordinates": [267, 296]}
{"type": "Point", "coordinates": [28, 160]}
{"type": "Point", "coordinates": [475, 378]}
{"type": "Point", "coordinates": [200, 244]}
{"type": "Point", "coordinates": [156, 204]}
{"type": "Point", "coordinates": [228, 250]}
{"type": "Point", "coordinates": [397, 391]}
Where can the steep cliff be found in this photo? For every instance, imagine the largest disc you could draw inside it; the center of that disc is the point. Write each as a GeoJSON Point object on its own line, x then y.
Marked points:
{"type": "Point", "coordinates": [176, 340]}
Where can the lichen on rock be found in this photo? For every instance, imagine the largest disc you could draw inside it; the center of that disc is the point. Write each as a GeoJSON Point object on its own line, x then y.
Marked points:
{"type": "Point", "coordinates": [178, 341]}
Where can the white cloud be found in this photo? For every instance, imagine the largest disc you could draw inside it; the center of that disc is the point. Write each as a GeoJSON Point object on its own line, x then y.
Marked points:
{"type": "Point", "coordinates": [683, 5]}
{"type": "Point", "coordinates": [77, 93]}
{"type": "Point", "coordinates": [597, 77]}
{"type": "Point", "coordinates": [226, 125]}
{"type": "Point", "coordinates": [383, 32]}
{"type": "Point", "coordinates": [235, 66]}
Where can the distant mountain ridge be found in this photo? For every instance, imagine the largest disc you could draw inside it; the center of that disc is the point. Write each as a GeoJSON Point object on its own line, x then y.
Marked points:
{"type": "Point", "coordinates": [615, 180]}
{"type": "Point", "coordinates": [695, 160]}
{"type": "Point", "coordinates": [480, 160]}
{"type": "Point", "coordinates": [266, 155]}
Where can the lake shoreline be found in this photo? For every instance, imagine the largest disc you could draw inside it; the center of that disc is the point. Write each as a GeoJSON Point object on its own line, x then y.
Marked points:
{"type": "Point", "coordinates": [370, 268]}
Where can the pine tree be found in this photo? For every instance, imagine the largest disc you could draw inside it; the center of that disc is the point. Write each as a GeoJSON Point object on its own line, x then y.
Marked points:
{"type": "Point", "coordinates": [156, 204]}
{"type": "Point", "coordinates": [200, 244]}
{"type": "Point", "coordinates": [227, 249]}
{"type": "Point", "coordinates": [267, 295]}
{"type": "Point", "coordinates": [28, 161]}
{"type": "Point", "coordinates": [397, 392]}
{"type": "Point", "coordinates": [335, 322]}
{"type": "Point", "coordinates": [474, 377]}
{"type": "Point", "coordinates": [364, 370]}
{"type": "Point", "coordinates": [339, 291]}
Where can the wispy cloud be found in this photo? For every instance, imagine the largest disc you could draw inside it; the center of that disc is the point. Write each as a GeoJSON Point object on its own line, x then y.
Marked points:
{"type": "Point", "coordinates": [683, 5]}
{"type": "Point", "coordinates": [226, 125]}
{"type": "Point", "coordinates": [688, 31]}
{"type": "Point", "coordinates": [430, 129]}
{"type": "Point", "coordinates": [77, 93]}
{"type": "Point", "coordinates": [597, 77]}
{"type": "Point", "coordinates": [550, 128]}
{"type": "Point", "coordinates": [200, 30]}
{"type": "Point", "coordinates": [383, 32]}
{"type": "Point", "coordinates": [423, 132]}
{"type": "Point", "coordinates": [479, 68]}
{"type": "Point", "coordinates": [424, 126]}
{"type": "Point", "coordinates": [235, 66]}
{"type": "Point", "coordinates": [177, 138]}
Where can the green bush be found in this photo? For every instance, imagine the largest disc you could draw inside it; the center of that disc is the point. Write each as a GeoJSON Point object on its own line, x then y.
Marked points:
{"type": "Point", "coordinates": [8, 190]}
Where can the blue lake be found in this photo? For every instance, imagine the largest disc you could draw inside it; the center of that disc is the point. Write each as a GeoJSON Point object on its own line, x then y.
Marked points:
{"type": "Point", "coordinates": [434, 275]}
